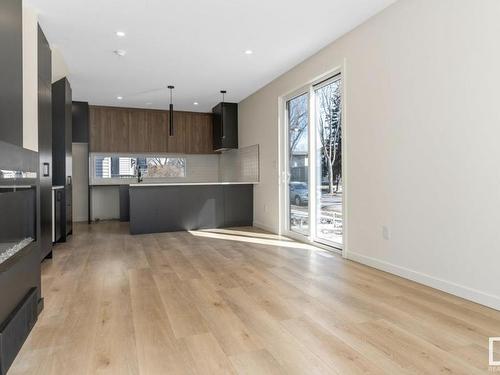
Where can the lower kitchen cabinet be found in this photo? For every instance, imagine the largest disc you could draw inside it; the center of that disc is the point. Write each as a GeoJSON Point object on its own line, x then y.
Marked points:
{"type": "Point", "coordinates": [168, 208]}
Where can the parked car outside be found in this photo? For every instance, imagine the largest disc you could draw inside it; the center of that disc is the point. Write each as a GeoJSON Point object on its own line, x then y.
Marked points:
{"type": "Point", "coordinates": [299, 193]}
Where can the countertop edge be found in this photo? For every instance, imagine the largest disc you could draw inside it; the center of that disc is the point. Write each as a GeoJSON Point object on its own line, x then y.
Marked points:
{"type": "Point", "coordinates": [192, 183]}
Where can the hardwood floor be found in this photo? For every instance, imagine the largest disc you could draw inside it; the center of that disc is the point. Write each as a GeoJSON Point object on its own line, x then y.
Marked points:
{"type": "Point", "coordinates": [244, 302]}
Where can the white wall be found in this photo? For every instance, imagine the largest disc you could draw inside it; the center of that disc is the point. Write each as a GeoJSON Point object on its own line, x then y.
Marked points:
{"type": "Point", "coordinates": [422, 125]}
{"type": "Point", "coordinates": [30, 78]}
{"type": "Point", "coordinates": [59, 67]}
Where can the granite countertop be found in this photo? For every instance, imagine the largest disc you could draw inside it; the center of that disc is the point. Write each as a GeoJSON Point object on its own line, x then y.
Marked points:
{"type": "Point", "coordinates": [145, 184]}
{"type": "Point", "coordinates": [9, 249]}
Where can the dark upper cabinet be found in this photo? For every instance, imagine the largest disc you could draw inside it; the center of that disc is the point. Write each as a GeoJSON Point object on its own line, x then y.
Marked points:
{"type": "Point", "coordinates": [62, 129]}
{"type": "Point", "coordinates": [45, 142]}
{"type": "Point", "coordinates": [80, 122]}
{"type": "Point", "coordinates": [11, 72]}
{"type": "Point", "coordinates": [225, 126]}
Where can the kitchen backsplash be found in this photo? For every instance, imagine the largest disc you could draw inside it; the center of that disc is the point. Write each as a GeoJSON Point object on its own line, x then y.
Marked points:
{"type": "Point", "coordinates": [240, 165]}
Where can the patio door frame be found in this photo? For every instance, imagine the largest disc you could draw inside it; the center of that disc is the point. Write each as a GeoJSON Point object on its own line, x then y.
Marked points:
{"type": "Point", "coordinates": [284, 160]}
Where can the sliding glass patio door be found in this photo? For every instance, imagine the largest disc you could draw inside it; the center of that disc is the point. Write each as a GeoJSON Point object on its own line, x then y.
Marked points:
{"type": "Point", "coordinates": [328, 148]}
{"type": "Point", "coordinates": [298, 164]}
{"type": "Point", "coordinates": [313, 189]}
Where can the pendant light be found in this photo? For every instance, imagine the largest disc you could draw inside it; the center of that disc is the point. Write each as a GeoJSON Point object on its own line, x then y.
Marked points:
{"type": "Point", "coordinates": [223, 92]}
{"type": "Point", "coordinates": [171, 114]}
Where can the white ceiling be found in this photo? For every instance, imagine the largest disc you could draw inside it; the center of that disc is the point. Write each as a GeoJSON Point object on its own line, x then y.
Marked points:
{"type": "Point", "coordinates": [196, 45]}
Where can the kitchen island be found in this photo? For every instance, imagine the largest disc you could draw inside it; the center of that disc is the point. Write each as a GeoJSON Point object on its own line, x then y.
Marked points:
{"type": "Point", "coordinates": [169, 207]}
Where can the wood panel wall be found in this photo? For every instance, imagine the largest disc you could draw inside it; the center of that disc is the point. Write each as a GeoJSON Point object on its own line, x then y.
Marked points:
{"type": "Point", "coordinates": [114, 129]}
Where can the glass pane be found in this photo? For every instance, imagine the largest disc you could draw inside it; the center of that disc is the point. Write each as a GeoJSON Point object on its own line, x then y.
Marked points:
{"type": "Point", "coordinates": [298, 125]}
{"type": "Point", "coordinates": [329, 166]}
{"type": "Point", "coordinates": [114, 167]}
{"type": "Point", "coordinates": [165, 167]}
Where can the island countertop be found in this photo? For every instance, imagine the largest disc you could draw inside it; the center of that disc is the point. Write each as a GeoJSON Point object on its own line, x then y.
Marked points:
{"type": "Point", "coordinates": [145, 184]}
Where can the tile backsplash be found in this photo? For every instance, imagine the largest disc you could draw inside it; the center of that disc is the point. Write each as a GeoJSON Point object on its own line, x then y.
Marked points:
{"type": "Point", "coordinates": [240, 165]}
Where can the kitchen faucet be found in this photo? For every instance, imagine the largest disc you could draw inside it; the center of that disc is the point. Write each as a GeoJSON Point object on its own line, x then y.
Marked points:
{"type": "Point", "coordinates": [139, 175]}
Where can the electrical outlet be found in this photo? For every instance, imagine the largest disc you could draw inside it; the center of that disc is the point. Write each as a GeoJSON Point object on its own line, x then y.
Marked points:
{"type": "Point", "coordinates": [386, 233]}
{"type": "Point", "coordinates": [266, 208]}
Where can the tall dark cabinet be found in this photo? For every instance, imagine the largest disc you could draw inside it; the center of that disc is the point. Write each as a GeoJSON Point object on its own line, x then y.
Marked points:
{"type": "Point", "coordinates": [45, 143]}
{"type": "Point", "coordinates": [11, 75]}
{"type": "Point", "coordinates": [225, 126]}
{"type": "Point", "coordinates": [20, 291]}
{"type": "Point", "coordinates": [61, 150]}
{"type": "Point", "coordinates": [81, 122]}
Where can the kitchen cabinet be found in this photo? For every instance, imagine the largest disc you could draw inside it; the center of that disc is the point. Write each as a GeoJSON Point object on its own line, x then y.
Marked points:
{"type": "Point", "coordinates": [45, 143]}
{"type": "Point", "coordinates": [57, 199]}
{"type": "Point", "coordinates": [199, 134]}
{"type": "Point", "coordinates": [134, 130]}
{"type": "Point", "coordinates": [109, 129]}
{"type": "Point", "coordinates": [62, 125]}
{"type": "Point", "coordinates": [11, 72]}
{"type": "Point", "coordinates": [80, 122]}
{"type": "Point", "coordinates": [177, 141]}
{"type": "Point", "coordinates": [225, 126]}
{"type": "Point", "coordinates": [157, 131]}
{"type": "Point", "coordinates": [139, 137]}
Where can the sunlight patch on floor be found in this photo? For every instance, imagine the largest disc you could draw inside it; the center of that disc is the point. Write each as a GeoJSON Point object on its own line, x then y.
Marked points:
{"type": "Point", "coordinates": [247, 233]}
{"type": "Point", "coordinates": [257, 240]}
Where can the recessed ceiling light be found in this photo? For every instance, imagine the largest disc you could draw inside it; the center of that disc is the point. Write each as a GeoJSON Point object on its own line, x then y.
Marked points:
{"type": "Point", "coordinates": [120, 34]}
{"type": "Point", "coordinates": [120, 52]}
{"type": "Point", "coordinates": [149, 103]}
{"type": "Point", "coordinates": [119, 97]}
{"type": "Point", "coordinates": [195, 103]}
{"type": "Point", "coordinates": [248, 52]}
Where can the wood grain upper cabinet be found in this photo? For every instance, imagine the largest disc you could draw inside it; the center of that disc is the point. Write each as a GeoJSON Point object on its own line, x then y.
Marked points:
{"type": "Point", "coordinates": [177, 141]}
{"type": "Point", "coordinates": [158, 131]}
{"type": "Point", "coordinates": [109, 129]}
{"type": "Point", "coordinates": [199, 134]}
{"type": "Point", "coordinates": [139, 136]}
{"type": "Point", "coordinates": [136, 130]}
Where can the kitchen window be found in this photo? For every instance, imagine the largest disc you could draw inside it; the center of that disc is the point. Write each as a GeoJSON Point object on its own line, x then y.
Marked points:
{"type": "Point", "coordinates": [158, 167]}
{"type": "Point", "coordinates": [123, 167]}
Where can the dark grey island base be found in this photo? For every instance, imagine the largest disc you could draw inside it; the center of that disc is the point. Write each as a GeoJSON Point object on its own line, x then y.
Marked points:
{"type": "Point", "coordinates": [170, 208]}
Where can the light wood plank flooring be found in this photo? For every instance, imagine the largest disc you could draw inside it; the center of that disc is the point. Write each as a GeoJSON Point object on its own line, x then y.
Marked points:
{"type": "Point", "coordinates": [240, 302]}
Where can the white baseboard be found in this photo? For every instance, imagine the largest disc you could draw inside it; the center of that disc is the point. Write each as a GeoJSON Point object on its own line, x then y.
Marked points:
{"type": "Point", "coordinates": [470, 294]}
{"type": "Point", "coordinates": [264, 226]}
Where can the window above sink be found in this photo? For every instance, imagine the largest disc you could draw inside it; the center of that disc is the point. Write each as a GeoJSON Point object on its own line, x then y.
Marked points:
{"type": "Point", "coordinates": [127, 167]}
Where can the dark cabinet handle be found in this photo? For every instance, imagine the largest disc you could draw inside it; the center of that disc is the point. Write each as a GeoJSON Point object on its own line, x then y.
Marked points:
{"type": "Point", "coordinates": [46, 169]}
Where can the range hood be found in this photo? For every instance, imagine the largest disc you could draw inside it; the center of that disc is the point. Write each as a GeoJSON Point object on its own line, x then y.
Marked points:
{"type": "Point", "coordinates": [225, 126]}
